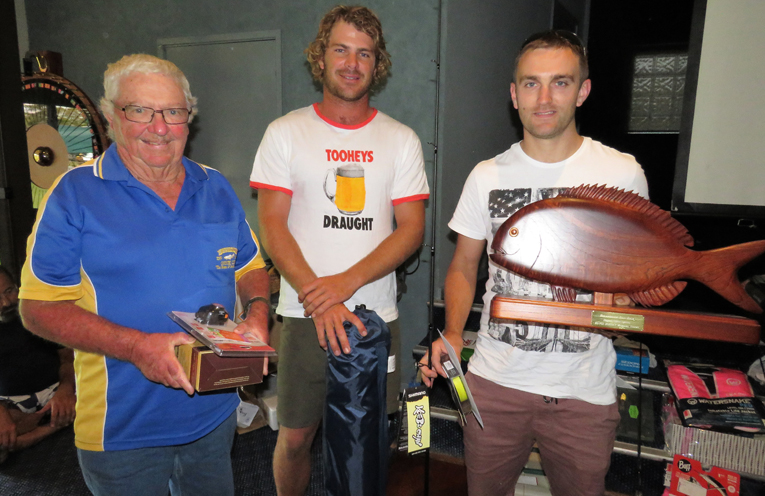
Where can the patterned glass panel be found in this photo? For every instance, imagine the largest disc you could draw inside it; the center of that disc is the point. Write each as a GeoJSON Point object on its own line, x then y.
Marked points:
{"type": "Point", "coordinates": [657, 92]}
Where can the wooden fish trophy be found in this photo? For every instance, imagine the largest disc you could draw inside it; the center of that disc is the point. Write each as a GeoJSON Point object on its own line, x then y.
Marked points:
{"type": "Point", "coordinates": [609, 241]}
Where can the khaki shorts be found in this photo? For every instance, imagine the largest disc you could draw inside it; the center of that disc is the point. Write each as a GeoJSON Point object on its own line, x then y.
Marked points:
{"type": "Point", "coordinates": [301, 374]}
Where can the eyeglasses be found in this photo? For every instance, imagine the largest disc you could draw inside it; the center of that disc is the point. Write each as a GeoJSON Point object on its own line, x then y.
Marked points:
{"type": "Point", "coordinates": [144, 115]}
{"type": "Point", "coordinates": [572, 38]}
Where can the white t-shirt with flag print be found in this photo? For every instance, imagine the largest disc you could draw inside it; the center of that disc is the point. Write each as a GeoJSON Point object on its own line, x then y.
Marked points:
{"type": "Point", "coordinates": [559, 362]}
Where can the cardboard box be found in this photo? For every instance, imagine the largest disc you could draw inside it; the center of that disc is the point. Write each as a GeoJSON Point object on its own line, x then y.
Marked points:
{"type": "Point", "coordinates": [209, 372]}
{"type": "Point", "coordinates": [249, 401]}
{"type": "Point", "coordinates": [688, 478]}
{"type": "Point", "coordinates": [738, 453]}
{"type": "Point", "coordinates": [268, 405]}
{"type": "Point", "coordinates": [628, 360]}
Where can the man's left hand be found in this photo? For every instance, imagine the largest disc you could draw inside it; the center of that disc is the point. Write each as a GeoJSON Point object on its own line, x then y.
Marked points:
{"type": "Point", "coordinates": [324, 292]}
{"type": "Point", "coordinates": [330, 329]}
{"type": "Point", "coordinates": [439, 353]}
{"type": "Point", "coordinates": [61, 406]}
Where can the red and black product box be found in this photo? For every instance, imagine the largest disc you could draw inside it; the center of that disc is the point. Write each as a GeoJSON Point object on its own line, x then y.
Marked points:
{"type": "Point", "coordinates": [717, 398]}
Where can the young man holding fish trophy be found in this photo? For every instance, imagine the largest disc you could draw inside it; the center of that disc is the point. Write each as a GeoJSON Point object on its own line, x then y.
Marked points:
{"type": "Point", "coordinates": [331, 178]}
{"type": "Point", "coordinates": [534, 382]}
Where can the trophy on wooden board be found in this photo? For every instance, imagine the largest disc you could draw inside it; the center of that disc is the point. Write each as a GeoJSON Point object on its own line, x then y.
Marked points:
{"type": "Point", "coordinates": [610, 241]}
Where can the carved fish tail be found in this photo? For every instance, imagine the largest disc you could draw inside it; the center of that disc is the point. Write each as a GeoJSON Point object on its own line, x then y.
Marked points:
{"type": "Point", "coordinates": [718, 271]}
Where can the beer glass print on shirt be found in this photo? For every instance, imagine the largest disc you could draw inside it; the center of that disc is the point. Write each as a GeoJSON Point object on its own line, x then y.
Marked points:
{"type": "Point", "coordinates": [349, 193]}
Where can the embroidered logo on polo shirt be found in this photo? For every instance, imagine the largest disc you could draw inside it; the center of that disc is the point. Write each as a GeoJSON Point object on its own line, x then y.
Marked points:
{"type": "Point", "coordinates": [226, 258]}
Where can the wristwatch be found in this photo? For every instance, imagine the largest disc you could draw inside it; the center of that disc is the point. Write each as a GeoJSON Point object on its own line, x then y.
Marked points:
{"type": "Point", "coordinates": [253, 300]}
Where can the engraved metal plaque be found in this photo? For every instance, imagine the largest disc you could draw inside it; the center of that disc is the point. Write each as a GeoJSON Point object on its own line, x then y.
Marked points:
{"type": "Point", "coordinates": [619, 321]}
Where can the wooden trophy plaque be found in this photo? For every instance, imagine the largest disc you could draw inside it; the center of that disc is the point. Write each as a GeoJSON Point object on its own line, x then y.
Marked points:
{"type": "Point", "coordinates": [613, 242]}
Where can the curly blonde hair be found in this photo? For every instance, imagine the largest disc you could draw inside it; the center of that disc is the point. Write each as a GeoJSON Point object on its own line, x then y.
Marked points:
{"type": "Point", "coordinates": [362, 19]}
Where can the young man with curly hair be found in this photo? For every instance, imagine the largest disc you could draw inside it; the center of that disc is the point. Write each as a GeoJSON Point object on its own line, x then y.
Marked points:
{"type": "Point", "coordinates": [332, 178]}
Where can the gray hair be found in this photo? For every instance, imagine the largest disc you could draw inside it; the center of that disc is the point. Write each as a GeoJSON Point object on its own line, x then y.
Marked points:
{"type": "Point", "coordinates": [143, 64]}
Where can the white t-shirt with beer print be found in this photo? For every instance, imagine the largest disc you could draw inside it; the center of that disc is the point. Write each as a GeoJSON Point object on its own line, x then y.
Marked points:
{"type": "Point", "coordinates": [344, 182]}
{"type": "Point", "coordinates": [560, 362]}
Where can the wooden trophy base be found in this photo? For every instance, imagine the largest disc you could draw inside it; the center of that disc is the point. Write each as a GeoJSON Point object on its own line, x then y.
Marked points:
{"type": "Point", "coordinates": [602, 314]}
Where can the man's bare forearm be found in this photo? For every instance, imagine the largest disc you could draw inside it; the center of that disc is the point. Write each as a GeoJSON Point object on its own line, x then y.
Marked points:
{"type": "Point", "coordinates": [460, 284]}
{"type": "Point", "coordinates": [324, 292]}
{"type": "Point", "coordinates": [65, 323]}
{"type": "Point", "coordinates": [384, 259]}
{"type": "Point", "coordinates": [287, 257]}
{"type": "Point", "coordinates": [458, 292]}
{"type": "Point", "coordinates": [66, 369]}
{"type": "Point", "coordinates": [394, 249]}
{"type": "Point", "coordinates": [253, 284]}
{"type": "Point", "coordinates": [273, 213]}
{"type": "Point", "coordinates": [459, 289]}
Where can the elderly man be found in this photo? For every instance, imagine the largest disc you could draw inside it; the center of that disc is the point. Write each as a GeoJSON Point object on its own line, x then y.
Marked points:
{"type": "Point", "coordinates": [335, 246]}
{"type": "Point", "coordinates": [36, 379]}
{"type": "Point", "coordinates": [118, 243]}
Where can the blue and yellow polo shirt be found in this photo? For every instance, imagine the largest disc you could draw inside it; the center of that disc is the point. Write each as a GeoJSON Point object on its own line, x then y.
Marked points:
{"type": "Point", "coordinates": [108, 242]}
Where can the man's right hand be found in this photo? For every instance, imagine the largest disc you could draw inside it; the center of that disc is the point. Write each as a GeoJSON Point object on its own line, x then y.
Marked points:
{"type": "Point", "coordinates": [329, 328]}
{"type": "Point", "coordinates": [62, 406]}
{"type": "Point", "coordinates": [154, 355]}
{"type": "Point", "coordinates": [324, 292]}
{"type": "Point", "coordinates": [439, 352]}
{"type": "Point", "coordinates": [7, 430]}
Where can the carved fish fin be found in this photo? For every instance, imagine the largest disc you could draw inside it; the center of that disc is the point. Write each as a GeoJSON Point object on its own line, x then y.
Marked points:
{"type": "Point", "coordinates": [720, 272]}
{"type": "Point", "coordinates": [633, 201]}
{"type": "Point", "coordinates": [655, 297]}
{"type": "Point", "coordinates": [562, 293]}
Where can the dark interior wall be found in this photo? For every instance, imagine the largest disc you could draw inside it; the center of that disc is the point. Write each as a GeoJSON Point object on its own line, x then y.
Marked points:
{"type": "Point", "coordinates": [92, 34]}
{"type": "Point", "coordinates": [478, 50]}
{"type": "Point", "coordinates": [477, 120]}
{"type": "Point", "coordinates": [619, 31]}
{"type": "Point", "coordinates": [16, 216]}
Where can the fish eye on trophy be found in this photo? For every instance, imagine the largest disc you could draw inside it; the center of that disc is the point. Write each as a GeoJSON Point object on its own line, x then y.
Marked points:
{"type": "Point", "coordinates": [513, 232]}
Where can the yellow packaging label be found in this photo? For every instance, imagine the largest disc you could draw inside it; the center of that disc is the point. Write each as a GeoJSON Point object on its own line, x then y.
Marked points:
{"type": "Point", "coordinates": [183, 353]}
{"type": "Point", "coordinates": [418, 423]}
